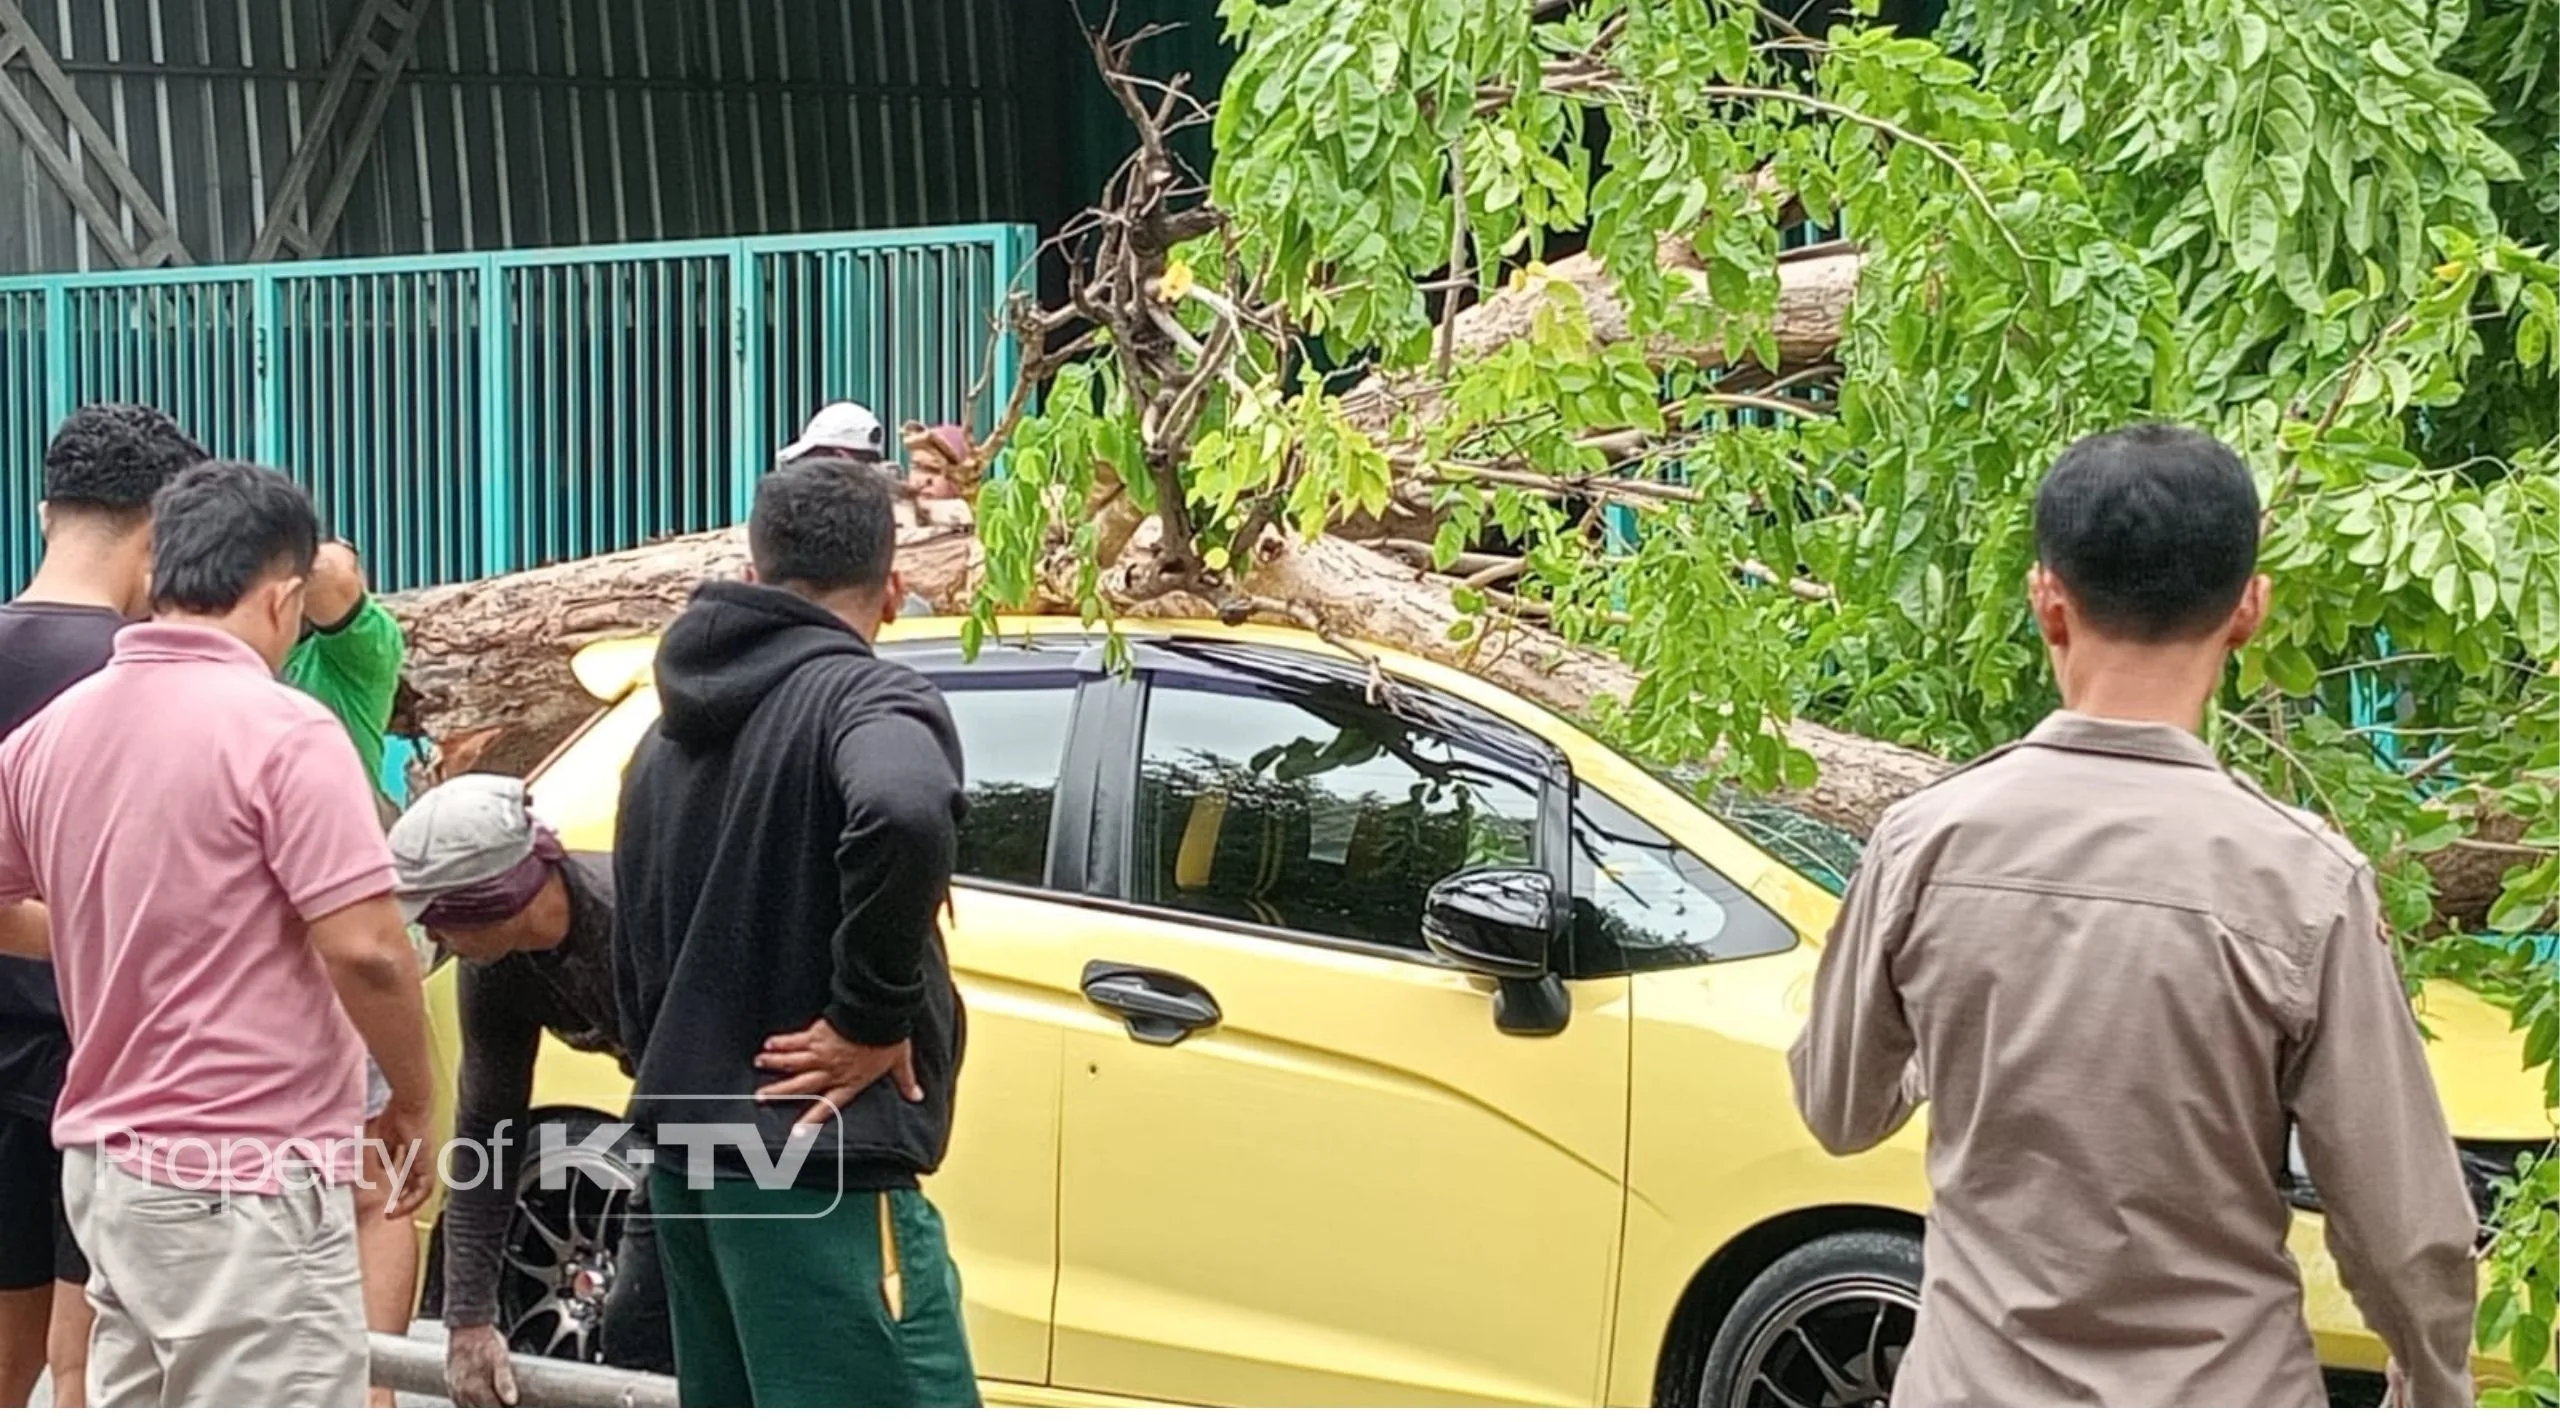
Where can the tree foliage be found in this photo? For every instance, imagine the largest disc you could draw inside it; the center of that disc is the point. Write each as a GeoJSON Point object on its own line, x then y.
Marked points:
{"type": "Point", "coordinates": [2321, 229]}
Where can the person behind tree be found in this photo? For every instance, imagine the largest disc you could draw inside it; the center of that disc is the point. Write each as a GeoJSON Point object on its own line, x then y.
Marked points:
{"type": "Point", "coordinates": [846, 436]}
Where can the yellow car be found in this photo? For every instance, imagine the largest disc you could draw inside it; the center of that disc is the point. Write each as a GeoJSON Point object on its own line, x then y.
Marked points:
{"type": "Point", "coordinates": [1231, 1133]}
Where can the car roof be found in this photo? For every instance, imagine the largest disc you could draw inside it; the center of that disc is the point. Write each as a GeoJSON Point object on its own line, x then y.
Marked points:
{"type": "Point", "coordinates": [609, 668]}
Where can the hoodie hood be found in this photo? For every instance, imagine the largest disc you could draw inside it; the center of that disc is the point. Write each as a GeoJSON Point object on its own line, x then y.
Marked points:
{"type": "Point", "coordinates": [733, 644]}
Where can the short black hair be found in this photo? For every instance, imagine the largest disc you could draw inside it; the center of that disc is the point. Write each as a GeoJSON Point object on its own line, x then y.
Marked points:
{"type": "Point", "coordinates": [221, 529]}
{"type": "Point", "coordinates": [112, 459]}
{"type": "Point", "coordinates": [2153, 529]}
{"type": "Point", "coordinates": [824, 524]}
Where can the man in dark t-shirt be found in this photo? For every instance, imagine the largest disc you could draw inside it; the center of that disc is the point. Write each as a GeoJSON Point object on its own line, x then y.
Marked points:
{"type": "Point", "coordinates": [533, 926]}
{"type": "Point", "coordinates": [100, 473]}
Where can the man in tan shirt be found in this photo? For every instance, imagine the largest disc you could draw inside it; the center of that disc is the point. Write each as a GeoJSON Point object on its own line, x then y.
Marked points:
{"type": "Point", "coordinates": [2115, 971]}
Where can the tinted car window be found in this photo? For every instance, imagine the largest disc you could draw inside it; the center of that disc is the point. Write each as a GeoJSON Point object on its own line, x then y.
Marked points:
{"type": "Point", "coordinates": [1013, 735]}
{"type": "Point", "coordinates": [1641, 901]}
{"type": "Point", "coordinates": [1319, 813]}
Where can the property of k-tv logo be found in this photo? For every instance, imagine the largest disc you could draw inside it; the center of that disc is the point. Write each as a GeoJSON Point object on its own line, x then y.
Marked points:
{"type": "Point", "coordinates": [714, 1139]}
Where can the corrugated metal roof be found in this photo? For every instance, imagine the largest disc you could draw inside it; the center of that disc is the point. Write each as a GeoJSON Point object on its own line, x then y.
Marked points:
{"type": "Point", "coordinates": [541, 122]}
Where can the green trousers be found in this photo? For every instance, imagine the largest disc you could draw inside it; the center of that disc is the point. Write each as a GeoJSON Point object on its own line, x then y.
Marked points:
{"type": "Point", "coordinates": [779, 1300]}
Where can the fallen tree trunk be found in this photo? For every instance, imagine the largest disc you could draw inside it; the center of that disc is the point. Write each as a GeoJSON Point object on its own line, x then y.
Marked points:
{"type": "Point", "coordinates": [1814, 291]}
{"type": "Point", "coordinates": [489, 661]}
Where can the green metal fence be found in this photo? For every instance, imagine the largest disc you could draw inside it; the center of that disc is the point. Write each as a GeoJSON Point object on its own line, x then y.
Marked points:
{"type": "Point", "coordinates": [460, 416]}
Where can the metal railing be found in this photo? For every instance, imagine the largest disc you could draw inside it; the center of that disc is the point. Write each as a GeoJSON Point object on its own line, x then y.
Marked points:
{"type": "Point", "coordinates": [462, 416]}
{"type": "Point", "coordinates": [416, 1366]}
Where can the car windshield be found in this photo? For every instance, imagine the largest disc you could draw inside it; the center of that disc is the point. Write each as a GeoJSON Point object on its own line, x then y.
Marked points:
{"type": "Point", "coordinates": [1822, 852]}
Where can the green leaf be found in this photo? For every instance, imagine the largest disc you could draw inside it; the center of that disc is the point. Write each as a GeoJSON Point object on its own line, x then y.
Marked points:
{"type": "Point", "coordinates": [1447, 542]}
{"type": "Point", "coordinates": [2292, 670]}
{"type": "Point", "coordinates": [2533, 338]}
{"type": "Point", "coordinates": [2446, 587]}
{"type": "Point", "coordinates": [2222, 170]}
{"type": "Point", "coordinates": [2543, 1040]}
{"type": "Point", "coordinates": [2484, 594]}
{"type": "Point", "coordinates": [2290, 97]}
{"type": "Point", "coordinates": [2538, 618]}
{"type": "Point", "coordinates": [2497, 1319]}
{"type": "Point", "coordinates": [2532, 1342]}
{"type": "Point", "coordinates": [2526, 898]}
{"type": "Point", "coordinates": [2253, 242]}
{"type": "Point", "coordinates": [2287, 156]}
{"type": "Point", "coordinates": [1729, 47]}
{"type": "Point", "coordinates": [2434, 839]}
{"type": "Point", "coordinates": [1358, 120]}
{"type": "Point", "coordinates": [2253, 39]}
{"type": "Point", "coordinates": [2388, 62]}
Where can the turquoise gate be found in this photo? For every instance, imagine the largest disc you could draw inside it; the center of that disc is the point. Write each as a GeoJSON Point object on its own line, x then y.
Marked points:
{"type": "Point", "coordinates": [460, 416]}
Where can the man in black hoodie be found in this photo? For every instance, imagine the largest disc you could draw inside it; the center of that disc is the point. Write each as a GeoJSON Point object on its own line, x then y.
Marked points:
{"type": "Point", "coordinates": [784, 842]}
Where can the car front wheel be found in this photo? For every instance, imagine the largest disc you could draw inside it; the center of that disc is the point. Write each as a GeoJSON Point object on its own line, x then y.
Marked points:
{"type": "Point", "coordinates": [1824, 1326]}
{"type": "Point", "coordinates": [560, 1254]}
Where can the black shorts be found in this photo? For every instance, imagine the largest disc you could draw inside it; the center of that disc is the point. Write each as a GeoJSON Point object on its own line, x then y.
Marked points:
{"type": "Point", "coordinates": [36, 1247]}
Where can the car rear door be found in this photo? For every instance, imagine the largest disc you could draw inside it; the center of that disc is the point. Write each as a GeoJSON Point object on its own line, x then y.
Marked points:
{"type": "Point", "coordinates": [1300, 1164]}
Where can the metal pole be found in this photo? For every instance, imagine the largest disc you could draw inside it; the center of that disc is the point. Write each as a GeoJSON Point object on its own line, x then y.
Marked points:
{"type": "Point", "coordinates": [417, 1366]}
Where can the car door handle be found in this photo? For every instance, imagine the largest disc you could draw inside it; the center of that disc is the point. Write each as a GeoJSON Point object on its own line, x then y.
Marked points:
{"type": "Point", "coordinates": [1161, 1008]}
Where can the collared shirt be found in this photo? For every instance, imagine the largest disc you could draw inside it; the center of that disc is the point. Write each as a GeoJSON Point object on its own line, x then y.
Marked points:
{"type": "Point", "coordinates": [185, 816]}
{"type": "Point", "coordinates": [2114, 970]}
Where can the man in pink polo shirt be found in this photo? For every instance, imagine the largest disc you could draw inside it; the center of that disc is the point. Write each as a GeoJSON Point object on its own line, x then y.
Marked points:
{"type": "Point", "coordinates": [227, 948]}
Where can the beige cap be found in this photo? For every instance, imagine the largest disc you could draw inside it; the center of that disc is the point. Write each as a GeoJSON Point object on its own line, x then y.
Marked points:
{"type": "Point", "coordinates": [466, 831]}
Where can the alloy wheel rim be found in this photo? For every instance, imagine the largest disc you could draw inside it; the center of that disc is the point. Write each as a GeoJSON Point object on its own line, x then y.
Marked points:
{"type": "Point", "coordinates": [1836, 1344]}
{"type": "Point", "coordinates": [559, 1253]}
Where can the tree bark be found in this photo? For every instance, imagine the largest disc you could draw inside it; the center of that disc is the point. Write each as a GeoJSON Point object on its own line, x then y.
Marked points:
{"type": "Point", "coordinates": [1813, 303]}
{"type": "Point", "coordinates": [489, 661]}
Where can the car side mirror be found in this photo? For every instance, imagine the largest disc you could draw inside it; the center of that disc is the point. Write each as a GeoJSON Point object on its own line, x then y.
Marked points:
{"type": "Point", "coordinates": [1504, 924]}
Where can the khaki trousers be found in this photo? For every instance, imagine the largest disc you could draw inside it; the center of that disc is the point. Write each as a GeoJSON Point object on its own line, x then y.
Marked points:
{"type": "Point", "coordinates": [213, 1300]}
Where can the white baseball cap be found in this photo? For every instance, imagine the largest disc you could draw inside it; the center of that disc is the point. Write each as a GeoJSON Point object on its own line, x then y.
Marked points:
{"type": "Point", "coordinates": [843, 425]}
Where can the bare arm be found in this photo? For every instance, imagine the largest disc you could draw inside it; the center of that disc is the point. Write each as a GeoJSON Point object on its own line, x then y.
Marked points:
{"type": "Point", "coordinates": [324, 844]}
{"type": "Point", "coordinates": [1855, 1070]}
{"type": "Point", "coordinates": [375, 972]}
{"type": "Point", "coordinates": [26, 930]}
{"type": "Point", "coordinates": [2374, 1136]}
{"type": "Point", "coordinates": [335, 587]}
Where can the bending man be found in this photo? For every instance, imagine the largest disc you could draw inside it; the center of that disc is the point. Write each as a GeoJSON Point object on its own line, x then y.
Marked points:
{"type": "Point", "coordinates": [533, 926]}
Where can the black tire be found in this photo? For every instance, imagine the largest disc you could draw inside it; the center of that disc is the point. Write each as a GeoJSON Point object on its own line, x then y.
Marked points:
{"type": "Point", "coordinates": [1824, 1326]}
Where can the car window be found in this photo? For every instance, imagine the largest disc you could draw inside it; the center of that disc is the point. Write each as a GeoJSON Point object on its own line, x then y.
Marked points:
{"type": "Point", "coordinates": [1642, 902]}
{"type": "Point", "coordinates": [1319, 813]}
{"type": "Point", "coordinates": [1013, 736]}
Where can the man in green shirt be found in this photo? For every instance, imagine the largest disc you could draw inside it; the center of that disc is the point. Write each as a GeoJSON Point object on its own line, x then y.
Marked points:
{"type": "Point", "coordinates": [350, 657]}
{"type": "Point", "coordinates": [349, 660]}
